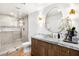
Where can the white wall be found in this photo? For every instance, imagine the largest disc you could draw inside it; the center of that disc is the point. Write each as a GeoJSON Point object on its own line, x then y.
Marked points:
{"type": "Point", "coordinates": [35, 27]}
{"type": "Point", "coordinates": [32, 24]}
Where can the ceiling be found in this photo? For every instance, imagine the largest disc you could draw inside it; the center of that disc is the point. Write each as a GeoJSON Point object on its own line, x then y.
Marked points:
{"type": "Point", "coordinates": [26, 8]}
{"type": "Point", "coordinates": [20, 8]}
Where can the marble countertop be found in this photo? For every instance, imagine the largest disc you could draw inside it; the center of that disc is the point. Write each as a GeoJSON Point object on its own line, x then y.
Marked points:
{"type": "Point", "coordinates": [60, 42]}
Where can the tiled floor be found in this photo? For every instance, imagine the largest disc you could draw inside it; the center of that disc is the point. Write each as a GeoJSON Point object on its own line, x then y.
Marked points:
{"type": "Point", "coordinates": [19, 52]}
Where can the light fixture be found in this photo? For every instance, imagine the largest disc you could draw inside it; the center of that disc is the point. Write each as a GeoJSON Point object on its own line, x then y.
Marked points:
{"type": "Point", "coordinates": [40, 18]}
{"type": "Point", "coordinates": [72, 11]}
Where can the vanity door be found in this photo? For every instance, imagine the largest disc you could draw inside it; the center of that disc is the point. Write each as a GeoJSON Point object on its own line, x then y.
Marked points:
{"type": "Point", "coordinates": [74, 52]}
{"type": "Point", "coordinates": [39, 48]}
{"type": "Point", "coordinates": [64, 51]}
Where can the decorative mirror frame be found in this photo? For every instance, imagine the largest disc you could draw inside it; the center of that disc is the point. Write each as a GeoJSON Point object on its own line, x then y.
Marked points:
{"type": "Point", "coordinates": [46, 19]}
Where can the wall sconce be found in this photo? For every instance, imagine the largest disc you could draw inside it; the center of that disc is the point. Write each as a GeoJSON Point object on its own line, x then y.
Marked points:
{"type": "Point", "coordinates": [72, 11]}
{"type": "Point", "coordinates": [41, 20]}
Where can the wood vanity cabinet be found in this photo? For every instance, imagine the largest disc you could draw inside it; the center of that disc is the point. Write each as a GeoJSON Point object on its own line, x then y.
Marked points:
{"type": "Point", "coordinates": [53, 50]}
{"type": "Point", "coordinates": [42, 48]}
{"type": "Point", "coordinates": [39, 48]}
{"type": "Point", "coordinates": [73, 52]}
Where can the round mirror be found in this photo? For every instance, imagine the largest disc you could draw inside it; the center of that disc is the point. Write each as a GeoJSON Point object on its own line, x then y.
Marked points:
{"type": "Point", "coordinates": [53, 20]}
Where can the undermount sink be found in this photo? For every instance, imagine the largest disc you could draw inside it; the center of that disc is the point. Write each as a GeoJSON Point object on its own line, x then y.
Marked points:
{"type": "Point", "coordinates": [44, 35]}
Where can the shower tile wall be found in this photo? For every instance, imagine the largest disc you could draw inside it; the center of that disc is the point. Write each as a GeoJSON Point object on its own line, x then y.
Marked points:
{"type": "Point", "coordinates": [9, 39]}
